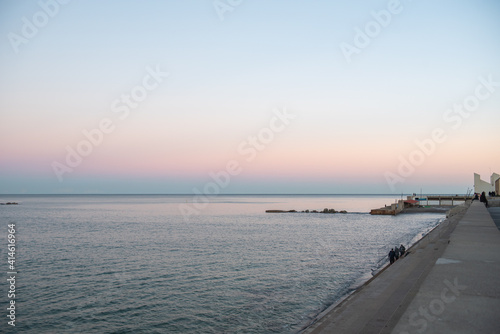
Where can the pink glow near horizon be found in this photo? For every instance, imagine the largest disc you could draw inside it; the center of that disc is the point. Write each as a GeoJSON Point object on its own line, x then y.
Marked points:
{"type": "Point", "coordinates": [138, 156]}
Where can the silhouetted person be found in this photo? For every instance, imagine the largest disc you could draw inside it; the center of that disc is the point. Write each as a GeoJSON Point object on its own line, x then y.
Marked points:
{"type": "Point", "coordinates": [402, 250]}
{"type": "Point", "coordinates": [392, 255]}
{"type": "Point", "coordinates": [483, 199]}
{"type": "Point", "coordinates": [396, 252]}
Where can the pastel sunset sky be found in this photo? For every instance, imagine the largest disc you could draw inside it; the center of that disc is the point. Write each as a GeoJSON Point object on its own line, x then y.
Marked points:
{"type": "Point", "coordinates": [306, 97]}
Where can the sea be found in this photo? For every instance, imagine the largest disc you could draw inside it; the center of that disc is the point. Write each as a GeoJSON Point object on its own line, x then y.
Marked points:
{"type": "Point", "coordinates": [187, 264]}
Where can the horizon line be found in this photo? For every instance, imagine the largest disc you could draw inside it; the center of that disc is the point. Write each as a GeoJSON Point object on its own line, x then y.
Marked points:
{"type": "Point", "coordinates": [231, 194]}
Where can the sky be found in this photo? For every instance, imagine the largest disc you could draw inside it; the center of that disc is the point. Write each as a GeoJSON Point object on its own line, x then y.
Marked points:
{"type": "Point", "coordinates": [249, 97]}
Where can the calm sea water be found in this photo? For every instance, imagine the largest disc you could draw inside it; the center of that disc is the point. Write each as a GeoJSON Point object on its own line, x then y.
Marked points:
{"type": "Point", "coordinates": [135, 264]}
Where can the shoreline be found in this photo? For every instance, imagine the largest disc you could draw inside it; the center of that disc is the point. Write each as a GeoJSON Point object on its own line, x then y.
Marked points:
{"type": "Point", "coordinates": [453, 215]}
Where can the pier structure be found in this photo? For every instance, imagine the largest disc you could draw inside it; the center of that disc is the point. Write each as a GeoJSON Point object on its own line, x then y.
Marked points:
{"type": "Point", "coordinates": [392, 209]}
{"type": "Point", "coordinates": [415, 201]}
{"type": "Point", "coordinates": [442, 199]}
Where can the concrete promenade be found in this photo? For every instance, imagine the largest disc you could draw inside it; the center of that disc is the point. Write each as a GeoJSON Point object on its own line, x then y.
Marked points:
{"type": "Point", "coordinates": [448, 283]}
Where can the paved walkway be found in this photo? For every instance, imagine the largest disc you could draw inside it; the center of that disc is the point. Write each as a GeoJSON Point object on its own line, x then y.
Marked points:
{"type": "Point", "coordinates": [449, 283]}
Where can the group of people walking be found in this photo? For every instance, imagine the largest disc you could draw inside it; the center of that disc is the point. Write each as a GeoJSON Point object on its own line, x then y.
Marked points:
{"type": "Point", "coordinates": [396, 253]}
{"type": "Point", "coordinates": [481, 198]}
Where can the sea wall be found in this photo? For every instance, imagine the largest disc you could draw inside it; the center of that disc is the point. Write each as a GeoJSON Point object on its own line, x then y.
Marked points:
{"type": "Point", "coordinates": [355, 311]}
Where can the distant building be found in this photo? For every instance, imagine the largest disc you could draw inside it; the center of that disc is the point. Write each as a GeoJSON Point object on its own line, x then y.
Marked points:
{"type": "Point", "coordinates": [480, 185]}
{"type": "Point", "coordinates": [497, 187]}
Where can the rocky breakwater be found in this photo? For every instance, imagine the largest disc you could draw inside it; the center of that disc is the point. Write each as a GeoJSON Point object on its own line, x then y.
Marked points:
{"type": "Point", "coordinates": [326, 210]}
